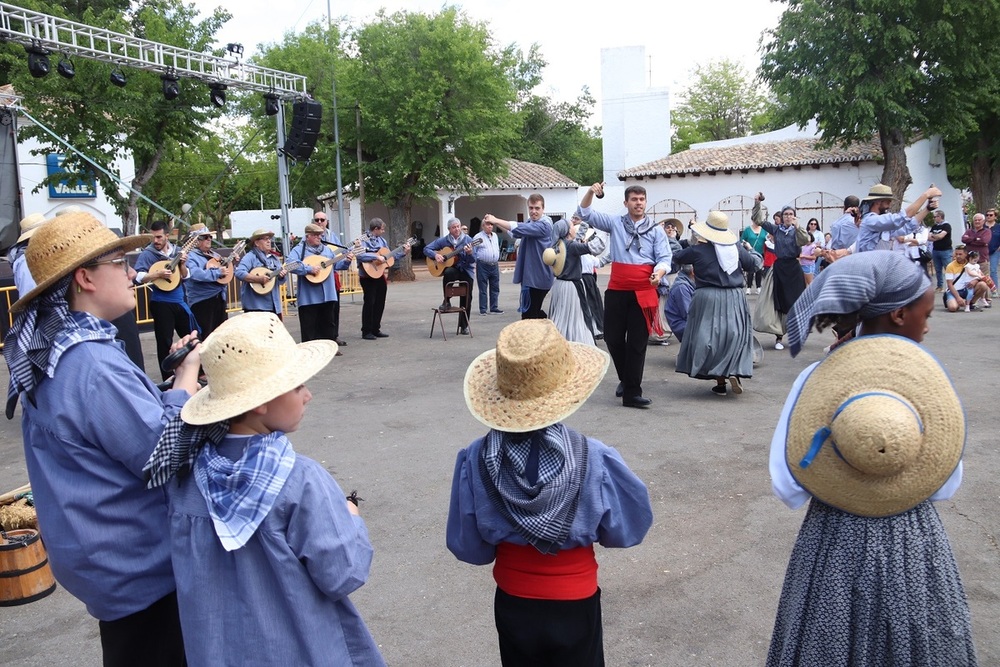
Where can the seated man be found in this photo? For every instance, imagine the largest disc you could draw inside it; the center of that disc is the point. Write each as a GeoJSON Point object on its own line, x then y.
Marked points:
{"type": "Point", "coordinates": [679, 300]}
{"type": "Point", "coordinates": [458, 242]}
{"type": "Point", "coordinates": [959, 293]}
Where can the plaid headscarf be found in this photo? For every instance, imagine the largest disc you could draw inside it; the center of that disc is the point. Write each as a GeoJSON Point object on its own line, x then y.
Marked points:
{"type": "Point", "coordinates": [869, 283]}
{"type": "Point", "coordinates": [543, 512]}
{"type": "Point", "coordinates": [178, 449]}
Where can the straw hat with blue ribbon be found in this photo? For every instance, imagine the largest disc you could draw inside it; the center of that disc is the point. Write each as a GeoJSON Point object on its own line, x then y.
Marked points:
{"type": "Point", "coordinates": [877, 428]}
{"type": "Point", "coordinates": [716, 229]}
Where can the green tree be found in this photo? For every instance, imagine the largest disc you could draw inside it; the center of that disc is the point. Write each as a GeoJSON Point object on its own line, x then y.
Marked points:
{"type": "Point", "coordinates": [557, 135]}
{"type": "Point", "coordinates": [104, 121]}
{"type": "Point", "coordinates": [870, 66]}
{"type": "Point", "coordinates": [722, 102]}
{"type": "Point", "coordinates": [436, 101]}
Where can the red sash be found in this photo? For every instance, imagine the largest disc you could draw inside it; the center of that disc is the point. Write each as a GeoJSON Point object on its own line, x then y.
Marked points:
{"type": "Point", "coordinates": [524, 572]}
{"type": "Point", "coordinates": [635, 278]}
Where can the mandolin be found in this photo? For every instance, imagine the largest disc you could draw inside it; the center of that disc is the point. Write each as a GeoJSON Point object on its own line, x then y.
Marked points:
{"type": "Point", "coordinates": [270, 275]}
{"type": "Point", "coordinates": [171, 283]}
{"type": "Point", "coordinates": [326, 264]}
{"type": "Point", "coordinates": [378, 270]}
{"type": "Point", "coordinates": [437, 268]}
{"type": "Point", "coordinates": [216, 263]}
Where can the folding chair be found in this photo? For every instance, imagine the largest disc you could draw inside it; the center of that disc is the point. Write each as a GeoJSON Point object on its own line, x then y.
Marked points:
{"type": "Point", "coordinates": [453, 290]}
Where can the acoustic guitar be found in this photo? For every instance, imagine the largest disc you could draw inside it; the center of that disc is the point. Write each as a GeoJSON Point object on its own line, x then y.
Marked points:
{"type": "Point", "coordinates": [378, 270]}
{"type": "Point", "coordinates": [217, 263]}
{"type": "Point", "coordinates": [270, 274]}
{"type": "Point", "coordinates": [171, 283]}
{"type": "Point", "coordinates": [437, 268]}
{"type": "Point", "coordinates": [326, 264]}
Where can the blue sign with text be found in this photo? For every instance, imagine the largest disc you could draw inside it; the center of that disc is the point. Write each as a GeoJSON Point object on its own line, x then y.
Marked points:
{"type": "Point", "coordinates": [66, 185]}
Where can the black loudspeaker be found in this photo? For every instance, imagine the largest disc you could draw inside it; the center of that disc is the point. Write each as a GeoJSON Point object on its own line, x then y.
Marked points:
{"type": "Point", "coordinates": [307, 115]}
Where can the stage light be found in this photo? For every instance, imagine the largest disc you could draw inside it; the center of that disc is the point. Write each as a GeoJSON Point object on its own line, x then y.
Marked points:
{"type": "Point", "coordinates": [66, 68]}
{"type": "Point", "coordinates": [118, 77]}
{"type": "Point", "coordinates": [235, 49]}
{"type": "Point", "coordinates": [171, 87]}
{"type": "Point", "coordinates": [218, 94]}
{"type": "Point", "coordinates": [38, 61]}
{"type": "Point", "coordinates": [271, 103]}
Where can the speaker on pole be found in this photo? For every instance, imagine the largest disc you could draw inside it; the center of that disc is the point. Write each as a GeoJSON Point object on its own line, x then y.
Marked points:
{"type": "Point", "coordinates": [306, 118]}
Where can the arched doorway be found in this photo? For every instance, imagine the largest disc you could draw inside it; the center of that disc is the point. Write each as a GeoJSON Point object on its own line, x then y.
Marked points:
{"type": "Point", "coordinates": [823, 206]}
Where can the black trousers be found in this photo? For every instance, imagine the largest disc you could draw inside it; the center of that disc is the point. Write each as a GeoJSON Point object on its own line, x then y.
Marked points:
{"type": "Point", "coordinates": [316, 321]}
{"type": "Point", "coordinates": [374, 290]}
{"type": "Point", "coordinates": [151, 637]}
{"type": "Point", "coordinates": [450, 275]}
{"type": "Point", "coordinates": [209, 314]}
{"type": "Point", "coordinates": [167, 319]}
{"type": "Point", "coordinates": [626, 335]}
{"type": "Point", "coordinates": [535, 298]}
{"type": "Point", "coordinates": [128, 333]}
{"type": "Point", "coordinates": [554, 633]}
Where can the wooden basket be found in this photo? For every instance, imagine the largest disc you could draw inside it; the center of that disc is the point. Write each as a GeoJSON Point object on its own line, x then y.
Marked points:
{"type": "Point", "coordinates": [25, 575]}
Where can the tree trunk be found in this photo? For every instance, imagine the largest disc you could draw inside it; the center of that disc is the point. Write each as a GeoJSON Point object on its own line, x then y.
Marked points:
{"type": "Point", "coordinates": [143, 173]}
{"type": "Point", "coordinates": [895, 172]}
{"type": "Point", "coordinates": [985, 177]}
{"type": "Point", "coordinates": [398, 230]}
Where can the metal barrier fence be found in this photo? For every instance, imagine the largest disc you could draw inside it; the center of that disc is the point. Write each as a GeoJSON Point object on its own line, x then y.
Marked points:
{"type": "Point", "coordinates": [349, 285]}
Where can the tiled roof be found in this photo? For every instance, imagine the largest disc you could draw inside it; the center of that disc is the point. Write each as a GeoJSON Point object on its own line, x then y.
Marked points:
{"type": "Point", "coordinates": [758, 156]}
{"type": "Point", "coordinates": [530, 176]}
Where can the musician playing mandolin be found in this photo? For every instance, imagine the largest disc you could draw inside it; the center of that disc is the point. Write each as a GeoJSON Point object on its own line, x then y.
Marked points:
{"type": "Point", "coordinates": [168, 308]}
{"type": "Point", "coordinates": [205, 294]}
{"type": "Point", "coordinates": [456, 248]}
{"type": "Point", "coordinates": [375, 252]}
{"type": "Point", "coordinates": [261, 257]}
{"type": "Point", "coordinates": [318, 301]}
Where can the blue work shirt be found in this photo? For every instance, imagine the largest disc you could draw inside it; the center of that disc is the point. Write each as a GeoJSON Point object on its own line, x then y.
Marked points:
{"type": "Point", "coordinates": [843, 232]}
{"type": "Point", "coordinates": [529, 269]}
{"type": "Point", "coordinates": [149, 256]}
{"type": "Point", "coordinates": [202, 283]}
{"type": "Point", "coordinates": [465, 262]}
{"type": "Point", "coordinates": [310, 293]}
{"type": "Point", "coordinates": [251, 300]}
{"type": "Point", "coordinates": [873, 226]}
{"type": "Point", "coordinates": [650, 247]}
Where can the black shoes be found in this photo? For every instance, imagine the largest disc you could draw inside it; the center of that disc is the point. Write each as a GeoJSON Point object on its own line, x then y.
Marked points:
{"type": "Point", "coordinates": [445, 305]}
{"type": "Point", "coordinates": [369, 336]}
{"type": "Point", "coordinates": [379, 334]}
{"type": "Point", "coordinates": [342, 343]}
{"type": "Point", "coordinates": [497, 311]}
{"type": "Point", "coordinates": [464, 331]}
{"type": "Point", "coordinates": [619, 390]}
{"type": "Point", "coordinates": [636, 402]}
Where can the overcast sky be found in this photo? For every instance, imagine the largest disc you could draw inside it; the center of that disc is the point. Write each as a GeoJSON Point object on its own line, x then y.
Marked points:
{"type": "Point", "coordinates": [677, 35]}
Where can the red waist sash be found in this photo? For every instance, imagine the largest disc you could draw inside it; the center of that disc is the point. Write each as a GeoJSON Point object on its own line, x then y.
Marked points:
{"type": "Point", "coordinates": [524, 572]}
{"type": "Point", "coordinates": [635, 278]}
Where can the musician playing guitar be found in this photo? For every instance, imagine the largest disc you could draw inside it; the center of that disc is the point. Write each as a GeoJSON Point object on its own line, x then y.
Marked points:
{"type": "Point", "coordinates": [458, 245]}
{"type": "Point", "coordinates": [205, 294]}
{"type": "Point", "coordinates": [318, 301]}
{"type": "Point", "coordinates": [375, 251]}
{"type": "Point", "coordinates": [168, 308]}
{"type": "Point", "coordinates": [260, 256]}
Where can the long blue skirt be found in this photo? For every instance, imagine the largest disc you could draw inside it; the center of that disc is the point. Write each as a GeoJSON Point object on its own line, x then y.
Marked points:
{"type": "Point", "coordinates": [718, 339]}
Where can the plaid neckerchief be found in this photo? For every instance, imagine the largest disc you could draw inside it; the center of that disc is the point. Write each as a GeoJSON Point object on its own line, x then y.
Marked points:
{"type": "Point", "coordinates": [241, 493]}
{"type": "Point", "coordinates": [41, 334]}
{"type": "Point", "coordinates": [178, 448]}
{"type": "Point", "coordinates": [543, 512]}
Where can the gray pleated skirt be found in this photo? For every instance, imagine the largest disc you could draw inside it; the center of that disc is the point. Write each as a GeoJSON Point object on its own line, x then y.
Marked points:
{"type": "Point", "coordinates": [566, 312]}
{"type": "Point", "coordinates": [872, 592]}
{"type": "Point", "coordinates": [718, 339]}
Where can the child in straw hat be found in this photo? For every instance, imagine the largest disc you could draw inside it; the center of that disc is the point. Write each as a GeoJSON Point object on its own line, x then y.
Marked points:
{"type": "Point", "coordinates": [266, 548]}
{"type": "Point", "coordinates": [533, 496]}
{"type": "Point", "coordinates": [873, 434]}
{"type": "Point", "coordinates": [90, 417]}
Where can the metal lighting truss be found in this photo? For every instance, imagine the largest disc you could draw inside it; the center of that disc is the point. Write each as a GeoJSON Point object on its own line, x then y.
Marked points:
{"type": "Point", "coordinates": [34, 29]}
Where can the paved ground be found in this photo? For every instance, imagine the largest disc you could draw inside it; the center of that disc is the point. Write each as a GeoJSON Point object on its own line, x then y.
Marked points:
{"type": "Point", "coordinates": [702, 589]}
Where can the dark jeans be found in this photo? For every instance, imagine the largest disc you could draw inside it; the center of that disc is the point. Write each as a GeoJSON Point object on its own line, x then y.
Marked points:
{"type": "Point", "coordinates": [316, 321]}
{"type": "Point", "coordinates": [168, 318]}
{"type": "Point", "coordinates": [151, 637]}
{"type": "Point", "coordinates": [626, 335]}
{"type": "Point", "coordinates": [557, 633]}
{"type": "Point", "coordinates": [488, 276]}
{"type": "Point", "coordinates": [941, 260]}
{"type": "Point", "coordinates": [374, 290]}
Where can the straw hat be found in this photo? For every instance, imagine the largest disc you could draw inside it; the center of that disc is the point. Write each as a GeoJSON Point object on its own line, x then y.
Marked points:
{"type": "Point", "coordinates": [261, 233]}
{"type": "Point", "coordinates": [533, 379]}
{"type": "Point", "coordinates": [30, 225]}
{"type": "Point", "coordinates": [877, 428]}
{"type": "Point", "coordinates": [199, 229]}
{"type": "Point", "coordinates": [555, 257]}
{"type": "Point", "coordinates": [65, 243]}
{"type": "Point", "coordinates": [249, 360]}
{"type": "Point", "coordinates": [715, 229]}
{"type": "Point", "coordinates": [878, 191]}
{"type": "Point", "coordinates": [676, 224]}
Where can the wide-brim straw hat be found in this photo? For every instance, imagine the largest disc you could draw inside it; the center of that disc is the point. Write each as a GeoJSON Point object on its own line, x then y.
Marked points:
{"type": "Point", "coordinates": [555, 257]}
{"type": "Point", "coordinates": [716, 229]}
{"type": "Point", "coordinates": [878, 191]}
{"type": "Point", "coordinates": [261, 233]}
{"type": "Point", "coordinates": [65, 243]}
{"type": "Point", "coordinates": [533, 378]}
{"type": "Point", "coordinates": [882, 424]}
{"type": "Point", "coordinates": [29, 226]}
{"type": "Point", "coordinates": [249, 360]}
{"type": "Point", "coordinates": [676, 224]}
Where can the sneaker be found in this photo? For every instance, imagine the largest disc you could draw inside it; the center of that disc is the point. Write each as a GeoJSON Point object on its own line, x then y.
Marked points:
{"type": "Point", "coordinates": [994, 294]}
{"type": "Point", "coordinates": [939, 289]}
{"type": "Point", "coordinates": [756, 290]}
{"type": "Point", "coordinates": [736, 385]}
{"type": "Point", "coordinates": [988, 304]}
{"type": "Point", "coordinates": [497, 311]}
{"type": "Point", "coordinates": [779, 346]}
{"type": "Point", "coordinates": [483, 313]}
{"type": "Point", "coordinates": [748, 291]}
{"type": "Point", "coordinates": [719, 390]}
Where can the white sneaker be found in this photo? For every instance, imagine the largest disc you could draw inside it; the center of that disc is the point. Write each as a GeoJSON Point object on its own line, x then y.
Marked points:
{"type": "Point", "coordinates": [779, 346]}
{"type": "Point", "coordinates": [756, 290]}
{"type": "Point", "coordinates": [748, 291]}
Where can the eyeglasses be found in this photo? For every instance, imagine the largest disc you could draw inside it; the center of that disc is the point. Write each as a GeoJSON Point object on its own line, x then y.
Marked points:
{"type": "Point", "coordinates": [319, 219]}
{"type": "Point", "coordinates": [121, 261]}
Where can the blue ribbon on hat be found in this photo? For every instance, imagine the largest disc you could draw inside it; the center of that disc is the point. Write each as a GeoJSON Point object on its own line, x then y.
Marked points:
{"type": "Point", "coordinates": [823, 433]}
